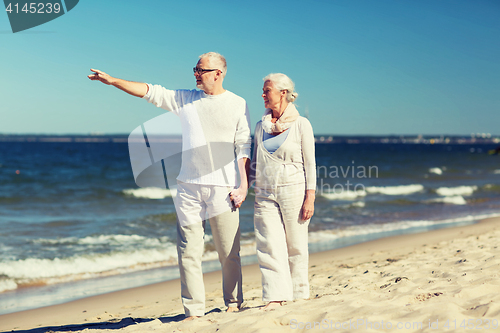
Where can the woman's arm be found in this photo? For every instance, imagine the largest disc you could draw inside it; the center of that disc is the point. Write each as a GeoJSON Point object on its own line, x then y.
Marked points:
{"type": "Point", "coordinates": [309, 158]}
{"type": "Point", "coordinates": [253, 163]}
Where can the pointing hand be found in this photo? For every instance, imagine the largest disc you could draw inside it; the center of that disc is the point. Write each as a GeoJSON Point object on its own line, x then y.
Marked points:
{"type": "Point", "coordinates": [100, 76]}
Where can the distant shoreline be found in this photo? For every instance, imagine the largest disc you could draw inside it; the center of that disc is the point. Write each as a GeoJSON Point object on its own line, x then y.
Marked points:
{"type": "Point", "coordinates": [478, 139]}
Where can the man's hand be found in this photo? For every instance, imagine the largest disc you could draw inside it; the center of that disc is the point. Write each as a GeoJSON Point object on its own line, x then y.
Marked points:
{"type": "Point", "coordinates": [101, 76]}
{"type": "Point", "coordinates": [238, 196]}
{"type": "Point", "coordinates": [137, 89]}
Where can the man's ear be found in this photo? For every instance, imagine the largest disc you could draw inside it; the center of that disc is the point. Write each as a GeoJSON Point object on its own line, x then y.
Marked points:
{"type": "Point", "coordinates": [218, 75]}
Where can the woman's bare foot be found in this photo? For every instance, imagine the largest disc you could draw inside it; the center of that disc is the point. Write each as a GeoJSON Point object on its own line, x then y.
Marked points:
{"type": "Point", "coordinates": [272, 305]}
{"type": "Point", "coordinates": [190, 318]}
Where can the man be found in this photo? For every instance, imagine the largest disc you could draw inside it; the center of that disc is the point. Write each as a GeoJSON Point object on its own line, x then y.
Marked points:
{"type": "Point", "coordinates": [215, 128]}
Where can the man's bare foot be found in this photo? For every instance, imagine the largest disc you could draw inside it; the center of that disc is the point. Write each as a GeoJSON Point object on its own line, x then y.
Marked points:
{"type": "Point", "coordinates": [232, 309]}
{"type": "Point", "coordinates": [191, 318]}
{"type": "Point", "coordinates": [272, 305]}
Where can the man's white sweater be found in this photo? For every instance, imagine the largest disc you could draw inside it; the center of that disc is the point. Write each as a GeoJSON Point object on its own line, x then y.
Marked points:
{"type": "Point", "coordinates": [215, 133]}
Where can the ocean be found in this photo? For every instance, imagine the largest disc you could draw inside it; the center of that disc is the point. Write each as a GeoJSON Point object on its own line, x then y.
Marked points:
{"type": "Point", "coordinates": [73, 223]}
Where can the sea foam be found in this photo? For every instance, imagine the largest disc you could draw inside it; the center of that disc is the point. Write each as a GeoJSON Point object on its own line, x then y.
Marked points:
{"type": "Point", "coordinates": [343, 195]}
{"type": "Point", "coordinates": [150, 193]}
{"type": "Point", "coordinates": [455, 200]}
{"type": "Point", "coordinates": [395, 190]}
{"type": "Point", "coordinates": [367, 229]}
{"type": "Point", "coordinates": [456, 191]}
{"type": "Point", "coordinates": [437, 171]}
{"type": "Point", "coordinates": [372, 229]}
{"type": "Point", "coordinates": [48, 271]}
{"type": "Point", "coordinates": [150, 253]}
{"type": "Point", "coordinates": [7, 284]}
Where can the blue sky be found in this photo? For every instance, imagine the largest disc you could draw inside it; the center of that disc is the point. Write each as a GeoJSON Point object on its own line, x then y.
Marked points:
{"type": "Point", "coordinates": [360, 67]}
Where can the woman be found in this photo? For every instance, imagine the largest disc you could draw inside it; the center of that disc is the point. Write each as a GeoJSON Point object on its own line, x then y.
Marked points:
{"type": "Point", "coordinates": [284, 171]}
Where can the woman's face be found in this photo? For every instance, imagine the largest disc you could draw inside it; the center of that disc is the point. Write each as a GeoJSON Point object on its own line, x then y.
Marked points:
{"type": "Point", "coordinates": [272, 96]}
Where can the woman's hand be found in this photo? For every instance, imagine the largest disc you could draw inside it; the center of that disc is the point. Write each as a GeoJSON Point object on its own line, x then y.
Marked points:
{"type": "Point", "coordinates": [308, 205]}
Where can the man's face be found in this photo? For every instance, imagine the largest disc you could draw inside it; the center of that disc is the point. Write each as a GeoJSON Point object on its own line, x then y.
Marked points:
{"type": "Point", "coordinates": [205, 80]}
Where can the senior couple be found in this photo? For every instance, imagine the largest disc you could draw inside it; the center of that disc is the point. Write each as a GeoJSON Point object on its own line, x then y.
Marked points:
{"type": "Point", "coordinates": [282, 170]}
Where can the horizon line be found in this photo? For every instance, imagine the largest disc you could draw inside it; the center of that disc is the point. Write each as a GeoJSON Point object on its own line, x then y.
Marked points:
{"type": "Point", "coordinates": [102, 134]}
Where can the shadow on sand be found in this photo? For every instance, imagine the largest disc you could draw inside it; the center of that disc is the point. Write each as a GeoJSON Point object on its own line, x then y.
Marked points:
{"type": "Point", "coordinates": [107, 325]}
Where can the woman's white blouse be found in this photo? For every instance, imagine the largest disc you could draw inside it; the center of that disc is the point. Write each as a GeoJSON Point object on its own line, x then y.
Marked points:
{"type": "Point", "coordinates": [293, 162]}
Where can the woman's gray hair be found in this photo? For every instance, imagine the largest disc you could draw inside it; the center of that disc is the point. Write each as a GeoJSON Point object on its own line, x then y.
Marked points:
{"type": "Point", "coordinates": [283, 82]}
{"type": "Point", "coordinates": [217, 60]}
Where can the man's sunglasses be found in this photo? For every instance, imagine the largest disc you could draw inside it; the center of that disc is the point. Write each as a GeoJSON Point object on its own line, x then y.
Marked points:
{"type": "Point", "coordinates": [202, 71]}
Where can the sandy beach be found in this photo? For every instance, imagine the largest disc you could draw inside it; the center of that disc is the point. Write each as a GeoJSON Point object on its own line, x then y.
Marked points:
{"type": "Point", "coordinates": [442, 280]}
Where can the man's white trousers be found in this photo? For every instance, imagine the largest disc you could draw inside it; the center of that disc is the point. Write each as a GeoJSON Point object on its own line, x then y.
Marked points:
{"type": "Point", "coordinates": [194, 204]}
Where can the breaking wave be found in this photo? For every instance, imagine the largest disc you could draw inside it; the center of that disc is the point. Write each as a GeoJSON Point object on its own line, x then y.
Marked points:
{"type": "Point", "coordinates": [150, 193]}
{"type": "Point", "coordinates": [395, 190]}
{"type": "Point", "coordinates": [456, 191]}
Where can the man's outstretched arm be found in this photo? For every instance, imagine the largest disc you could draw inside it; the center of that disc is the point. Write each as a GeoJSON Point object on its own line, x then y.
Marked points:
{"type": "Point", "coordinates": [138, 89]}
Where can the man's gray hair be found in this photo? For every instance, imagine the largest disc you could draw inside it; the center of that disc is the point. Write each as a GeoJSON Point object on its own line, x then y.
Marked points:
{"type": "Point", "coordinates": [283, 82]}
{"type": "Point", "coordinates": [217, 60]}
